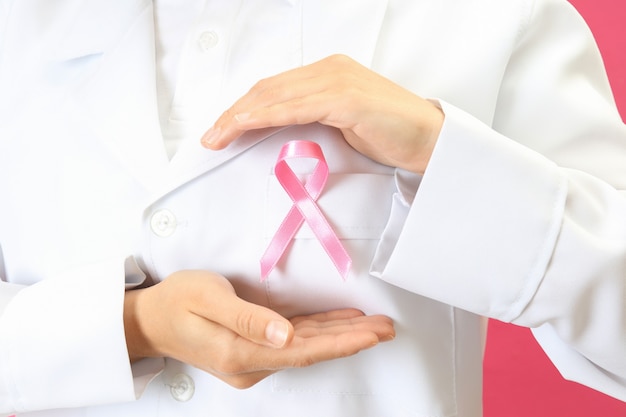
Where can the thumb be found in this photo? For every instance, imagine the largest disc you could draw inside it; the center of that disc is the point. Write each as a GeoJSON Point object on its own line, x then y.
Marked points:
{"type": "Point", "coordinates": [250, 321]}
{"type": "Point", "coordinates": [259, 324]}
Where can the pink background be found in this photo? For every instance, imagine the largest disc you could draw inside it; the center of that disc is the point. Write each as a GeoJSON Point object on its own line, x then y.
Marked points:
{"type": "Point", "coordinates": [519, 379]}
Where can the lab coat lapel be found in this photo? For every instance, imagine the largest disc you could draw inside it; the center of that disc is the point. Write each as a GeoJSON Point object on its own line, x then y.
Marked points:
{"type": "Point", "coordinates": [119, 98]}
{"type": "Point", "coordinates": [197, 160]}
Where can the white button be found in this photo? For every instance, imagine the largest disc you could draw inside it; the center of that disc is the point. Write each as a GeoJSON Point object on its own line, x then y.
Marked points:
{"type": "Point", "coordinates": [182, 387]}
{"type": "Point", "coordinates": [163, 223]}
{"type": "Point", "coordinates": [208, 40]}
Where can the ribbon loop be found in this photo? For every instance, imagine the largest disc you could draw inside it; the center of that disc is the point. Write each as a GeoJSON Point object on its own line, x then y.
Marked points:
{"type": "Point", "coordinates": [304, 208]}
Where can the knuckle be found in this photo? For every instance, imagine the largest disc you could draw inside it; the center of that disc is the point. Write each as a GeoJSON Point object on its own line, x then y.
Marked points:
{"type": "Point", "coordinates": [268, 90]}
{"type": "Point", "coordinates": [261, 86]}
{"type": "Point", "coordinates": [229, 114]}
{"type": "Point", "coordinates": [339, 59]}
{"type": "Point", "coordinates": [304, 362]}
{"type": "Point", "coordinates": [245, 323]}
{"type": "Point", "coordinates": [308, 361]}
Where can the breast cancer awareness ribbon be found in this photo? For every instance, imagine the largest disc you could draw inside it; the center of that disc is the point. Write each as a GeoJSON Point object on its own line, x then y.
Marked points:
{"type": "Point", "coordinates": [304, 208]}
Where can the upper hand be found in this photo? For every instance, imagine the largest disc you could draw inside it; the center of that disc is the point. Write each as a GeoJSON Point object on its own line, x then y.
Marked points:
{"type": "Point", "coordinates": [376, 116]}
{"type": "Point", "coordinates": [196, 317]}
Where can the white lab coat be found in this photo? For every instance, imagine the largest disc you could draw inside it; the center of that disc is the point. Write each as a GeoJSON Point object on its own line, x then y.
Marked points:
{"type": "Point", "coordinates": [518, 216]}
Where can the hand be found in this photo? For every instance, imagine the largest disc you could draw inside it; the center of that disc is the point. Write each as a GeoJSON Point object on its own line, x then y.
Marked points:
{"type": "Point", "coordinates": [377, 117]}
{"type": "Point", "coordinates": [196, 317]}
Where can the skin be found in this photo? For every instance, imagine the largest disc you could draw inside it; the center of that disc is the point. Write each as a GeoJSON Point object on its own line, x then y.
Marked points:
{"type": "Point", "coordinates": [196, 317]}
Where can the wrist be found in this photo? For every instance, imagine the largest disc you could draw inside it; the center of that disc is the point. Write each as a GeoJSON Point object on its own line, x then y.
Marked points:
{"type": "Point", "coordinates": [429, 134]}
{"type": "Point", "coordinates": [137, 341]}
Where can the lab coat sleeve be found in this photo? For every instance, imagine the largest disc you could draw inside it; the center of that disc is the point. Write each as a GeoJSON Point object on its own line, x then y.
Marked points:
{"type": "Point", "coordinates": [524, 220]}
{"type": "Point", "coordinates": [87, 361]}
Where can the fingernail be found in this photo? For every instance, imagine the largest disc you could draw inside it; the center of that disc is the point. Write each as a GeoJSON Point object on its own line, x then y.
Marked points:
{"type": "Point", "coordinates": [276, 333]}
{"type": "Point", "coordinates": [387, 337]}
{"type": "Point", "coordinates": [210, 137]}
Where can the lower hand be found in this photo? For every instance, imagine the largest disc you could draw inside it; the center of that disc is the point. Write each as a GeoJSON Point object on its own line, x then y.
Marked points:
{"type": "Point", "coordinates": [196, 317]}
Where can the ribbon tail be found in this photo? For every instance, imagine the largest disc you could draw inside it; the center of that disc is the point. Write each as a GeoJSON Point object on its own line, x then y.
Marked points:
{"type": "Point", "coordinates": [325, 234]}
{"type": "Point", "coordinates": [278, 245]}
{"type": "Point", "coordinates": [339, 256]}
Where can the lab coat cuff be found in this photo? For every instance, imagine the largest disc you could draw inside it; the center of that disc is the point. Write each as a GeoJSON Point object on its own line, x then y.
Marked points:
{"type": "Point", "coordinates": [62, 341]}
{"type": "Point", "coordinates": [407, 184]}
{"type": "Point", "coordinates": [144, 371]}
{"type": "Point", "coordinates": [481, 229]}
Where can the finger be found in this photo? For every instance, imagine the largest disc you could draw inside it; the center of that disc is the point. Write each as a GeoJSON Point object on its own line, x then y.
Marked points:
{"type": "Point", "coordinates": [301, 352]}
{"type": "Point", "coordinates": [306, 351]}
{"type": "Point", "coordinates": [381, 326]}
{"type": "Point", "coordinates": [254, 111]}
{"type": "Point", "coordinates": [329, 107]}
{"type": "Point", "coordinates": [324, 107]}
{"type": "Point", "coordinates": [345, 313]}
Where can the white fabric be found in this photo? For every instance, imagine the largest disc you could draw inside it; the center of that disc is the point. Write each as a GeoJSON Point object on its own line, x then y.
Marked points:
{"type": "Point", "coordinates": [518, 216]}
{"type": "Point", "coordinates": [172, 22]}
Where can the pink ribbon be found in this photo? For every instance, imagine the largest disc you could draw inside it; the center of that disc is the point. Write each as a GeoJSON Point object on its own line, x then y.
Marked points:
{"type": "Point", "coordinates": [304, 207]}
